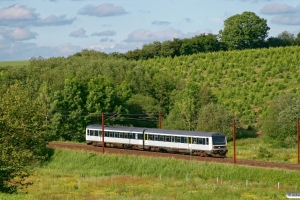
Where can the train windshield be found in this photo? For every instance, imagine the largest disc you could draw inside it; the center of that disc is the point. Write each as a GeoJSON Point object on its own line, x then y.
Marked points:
{"type": "Point", "coordinates": [218, 139]}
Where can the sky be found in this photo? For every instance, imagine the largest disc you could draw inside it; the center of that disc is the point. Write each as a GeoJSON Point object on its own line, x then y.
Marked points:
{"type": "Point", "coordinates": [55, 28]}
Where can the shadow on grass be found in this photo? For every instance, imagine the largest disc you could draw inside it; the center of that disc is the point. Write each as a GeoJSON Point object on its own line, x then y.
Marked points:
{"type": "Point", "coordinates": [245, 133]}
{"type": "Point", "coordinates": [49, 152]}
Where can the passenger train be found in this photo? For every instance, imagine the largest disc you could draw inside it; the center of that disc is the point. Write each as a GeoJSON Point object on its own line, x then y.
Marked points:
{"type": "Point", "coordinates": [152, 139]}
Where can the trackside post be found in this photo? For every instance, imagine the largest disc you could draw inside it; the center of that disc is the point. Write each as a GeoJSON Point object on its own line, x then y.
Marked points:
{"type": "Point", "coordinates": [233, 137]}
{"type": "Point", "coordinates": [298, 138]}
{"type": "Point", "coordinates": [102, 132]}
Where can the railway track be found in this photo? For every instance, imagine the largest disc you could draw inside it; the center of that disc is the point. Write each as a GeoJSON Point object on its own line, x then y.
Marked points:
{"type": "Point", "coordinates": [253, 163]}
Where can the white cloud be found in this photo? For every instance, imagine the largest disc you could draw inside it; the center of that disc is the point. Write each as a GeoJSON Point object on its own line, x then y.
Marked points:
{"type": "Point", "coordinates": [78, 33]}
{"type": "Point", "coordinates": [25, 51]}
{"type": "Point", "coordinates": [17, 12]}
{"type": "Point", "coordinates": [286, 19]}
{"type": "Point", "coordinates": [168, 34]}
{"type": "Point", "coordinates": [103, 10]}
{"type": "Point", "coordinates": [67, 49]}
{"type": "Point", "coordinates": [55, 21]}
{"type": "Point", "coordinates": [276, 8]}
{"type": "Point", "coordinates": [22, 16]}
{"type": "Point", "coordinates": [17, 34]}
{"type": "Point", "coordinates": [105, 33]}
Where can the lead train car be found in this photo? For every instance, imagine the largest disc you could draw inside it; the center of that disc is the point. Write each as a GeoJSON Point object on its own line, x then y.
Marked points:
{"type": "Point", "coordinates": [197, 143]}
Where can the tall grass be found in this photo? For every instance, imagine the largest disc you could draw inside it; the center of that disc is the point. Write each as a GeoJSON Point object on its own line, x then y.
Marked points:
{"type": "Point", "coordinates": [250, 148]}
{"type": "Point", "coordinates": [85, 175]}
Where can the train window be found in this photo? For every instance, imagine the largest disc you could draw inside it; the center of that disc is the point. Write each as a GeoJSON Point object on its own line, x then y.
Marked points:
{"type": "Point", "coordinates": [91, 133]}
{"type": "Point", "coordinates": [106, 134]}
{"type": "Point", "coordinates": [111, 134]}
{"type": "Point", "coordinates": [146, 136]}
{"type": "Point", "coordinates": [100, 133]}
{"type": "Point", "coordinates": [178, 139]}
{"type": "Point", "coordinates": [88, 132]}
{"type": "Point", "coordinates": [167, 138]}
{"type": "Point", "coordinates": [116, 134]}
{"type": "Point", "coordinates": [161, 138]}
{"type": "Point", "coordinates": [140, 136]}
{"type": "Point", "coordinates": [120, 135]}
{"type": "Point", "coordinates": [125, 135]}
{"type": "Point", "coordinates": [207, 141]}
{"type": "Point", "coordinates": [194, 140]}
{"type": "Point", "coordinates": [156, 137]}
{"type": "Point", "coordinates": [172, 138]}
{"type": "Point", "coordinates": [130, 135]}
{"type": "Point", "coordinates": [150, 137]}
{"type": "Point", "coordinates": [185, 140]}
{"type": "Point", "coordinates": [182, 139]}
{"type": "Point", "coordinates": [200, 141]}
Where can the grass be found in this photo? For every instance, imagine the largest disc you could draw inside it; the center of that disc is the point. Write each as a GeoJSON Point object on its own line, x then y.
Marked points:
{"type": "Point", "coordinates": [84, 175]}
{"type": "Point", "coordinates": [257, 149]}
{"type": "Point", "coordinates": [14, 63]}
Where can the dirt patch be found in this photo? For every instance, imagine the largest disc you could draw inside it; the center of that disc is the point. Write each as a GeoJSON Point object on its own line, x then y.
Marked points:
{"type": "Point", "coordinates": [253, 163]}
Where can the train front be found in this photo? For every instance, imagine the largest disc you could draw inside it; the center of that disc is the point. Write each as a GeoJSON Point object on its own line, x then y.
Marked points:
{"type": "Point", "coordinates": [219, 145]}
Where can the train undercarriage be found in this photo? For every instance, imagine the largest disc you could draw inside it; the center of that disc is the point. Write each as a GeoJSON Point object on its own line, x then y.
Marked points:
{"type": "Point", "coordinates": [214, 153]}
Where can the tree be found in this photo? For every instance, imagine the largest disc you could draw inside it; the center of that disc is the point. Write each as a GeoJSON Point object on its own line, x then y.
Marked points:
{"type": "Point", "coordinates": [297, 39]}
{"type": "Point", "coordinates": [22, 142]}
{"type": "Point", "coordinates": [186, 106]}
{"type": "Point", "coordinates": [147, 106]}
{"type": "Point", "coordinates": [279, 124]}
{"type": "Point", "coordinates": [244, 31]}
{"type": "Point", "coordinates": [287, 38]}
{"type": "Point", "coordinates": [67, 121]}
{"type": "Point", "coordinates": [215, 117]}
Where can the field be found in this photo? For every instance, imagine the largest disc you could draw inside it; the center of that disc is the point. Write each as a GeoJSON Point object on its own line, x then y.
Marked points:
{"type": "Point", "coordinates": [83, 175]}
{"type": "Point", "coordinates": [14, 63]}
{"type": "Point", "coordinates": [257, 149]}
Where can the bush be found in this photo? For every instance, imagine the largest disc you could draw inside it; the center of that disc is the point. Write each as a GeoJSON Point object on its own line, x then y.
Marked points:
{"type": "Point", "coordinates": [264, 153]}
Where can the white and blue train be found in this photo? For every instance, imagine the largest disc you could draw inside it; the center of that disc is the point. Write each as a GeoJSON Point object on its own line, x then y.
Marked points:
{"type": "Point", "coordinates": [192, 142]}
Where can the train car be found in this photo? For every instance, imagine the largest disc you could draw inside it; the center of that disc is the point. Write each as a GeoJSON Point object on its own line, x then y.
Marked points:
{"type": "Point", "coordinates": [192, 142]}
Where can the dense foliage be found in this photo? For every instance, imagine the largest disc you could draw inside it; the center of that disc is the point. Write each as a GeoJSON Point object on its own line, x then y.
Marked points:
{"type": "Point", "coordinates": [244, 31]}
{"type": "Point", "coordinates": [21, 140]}
{"type": "Point", "coordinates": [74, 91]}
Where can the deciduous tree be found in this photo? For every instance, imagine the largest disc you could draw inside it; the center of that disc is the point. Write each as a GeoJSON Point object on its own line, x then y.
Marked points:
{"type": "Point", "coordinates": [243, 31]}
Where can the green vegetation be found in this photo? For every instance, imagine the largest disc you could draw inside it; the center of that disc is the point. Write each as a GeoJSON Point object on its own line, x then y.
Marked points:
{"type": "Point", "coordinates": [194, 82]}
{"type": "Point", "coordinates": [79, 175]}
{"type": "Point", "coordinates": [21, 143]}
{"type": "Point", "coordinates": [14, 63]}
{"type": "Point", "coordinates": [258, 149]}
{"type": "Point", "coordinates": [244, 31]}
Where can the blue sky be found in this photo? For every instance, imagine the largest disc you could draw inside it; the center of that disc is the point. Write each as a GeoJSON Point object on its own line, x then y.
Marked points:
{"type": "Point", "coordinates": [52, 28]}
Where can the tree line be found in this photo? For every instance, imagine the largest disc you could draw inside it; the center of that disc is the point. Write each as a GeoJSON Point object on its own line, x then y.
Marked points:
{"type": "Point", "coordinates": [241, 31]}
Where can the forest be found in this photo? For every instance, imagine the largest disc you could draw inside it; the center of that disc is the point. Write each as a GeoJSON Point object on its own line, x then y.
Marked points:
{"type": "Point", "coordinates": [205, 89]}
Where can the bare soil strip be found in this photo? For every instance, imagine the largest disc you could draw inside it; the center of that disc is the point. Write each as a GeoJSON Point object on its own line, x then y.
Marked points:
{"type": "Point", "coordinates": [253, 163]}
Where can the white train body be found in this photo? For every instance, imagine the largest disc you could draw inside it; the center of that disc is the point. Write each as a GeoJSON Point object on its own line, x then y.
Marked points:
{"type": "Point", "coordinates": [198, 143]}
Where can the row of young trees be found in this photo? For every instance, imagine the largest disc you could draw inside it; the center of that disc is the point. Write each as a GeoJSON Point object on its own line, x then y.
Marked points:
{"type": "Point", "coordinates": [241, 31]}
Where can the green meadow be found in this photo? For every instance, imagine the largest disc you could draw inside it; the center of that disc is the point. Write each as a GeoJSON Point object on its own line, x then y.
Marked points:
{"type": "Point", "coordinates": [84, 175]}
{"type": "Point", "coordinates": [14, 63]}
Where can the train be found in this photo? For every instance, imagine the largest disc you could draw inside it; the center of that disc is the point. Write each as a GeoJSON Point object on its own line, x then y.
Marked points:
{"type": "Point", "coordinates": [203, 144]}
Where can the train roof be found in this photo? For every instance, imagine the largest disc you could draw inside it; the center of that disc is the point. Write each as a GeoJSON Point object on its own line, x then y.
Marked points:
{"type": "Point", "coordinates": [154, 131]}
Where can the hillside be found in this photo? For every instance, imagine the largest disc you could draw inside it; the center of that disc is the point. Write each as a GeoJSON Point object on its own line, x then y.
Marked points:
{"type": "Point", "coordinates": [72, 92]}
{"type": "Point", "coordinates": [244, 81]}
